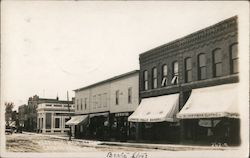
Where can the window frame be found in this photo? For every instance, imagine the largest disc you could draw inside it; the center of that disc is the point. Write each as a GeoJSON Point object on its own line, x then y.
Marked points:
{"type": "Point", "coordinates": [154, 78]}
{"type": "Point", "coordinates": [188, 70]}
{"type": "Point", "coordinates": [233, 59]}
{"type": "Point", "coordinates": [117, 97]}
{"type": "Point", "coordinates": [217, 63]}
{"type": "Point", "coordinates": [145, 80]}
{"type": "Point", "coordinates": [175, 74]}
{"type": "Point", "coordinates": [200, 67]}
{"type": "Point", "coordinates": [130, 95]}
{"type": "Point", "coordinates": [164, 80]}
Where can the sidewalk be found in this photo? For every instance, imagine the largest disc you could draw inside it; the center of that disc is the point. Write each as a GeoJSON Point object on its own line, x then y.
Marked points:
{"type": "Point", "coordinates": [169, 147]}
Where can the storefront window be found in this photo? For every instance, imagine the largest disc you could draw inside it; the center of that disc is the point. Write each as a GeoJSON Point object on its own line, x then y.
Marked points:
{"type": "Point", "coordinates": [164, 75]}
{"type": "Point", "coordinates": [48, 120]}
{"type": "Point", "coordinates": [154, 75]}
{"type": "Point", "coordinates": [57, 122]}
{"type": "Point", "coordinates": [201, 66]}
{"type": "Point", "coordinates": [188, 70]}
{"type": "Point", "coordinates": [234, 59]}
{"type": "Point", "coordinates": [217, 63]}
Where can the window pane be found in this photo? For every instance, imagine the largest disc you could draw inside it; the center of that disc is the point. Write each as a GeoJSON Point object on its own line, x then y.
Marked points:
{"type": "Point", "coordinates": [165, 70]}
{"type": "Point", "coordinates": [188, 64]}
{"type": "Point", "coordinates": [145, 85]}
{"type": "Point", "coordinates": [188, 76]}
{"type": "Point", "coordinates": [57, 123]}
{"type": "Point", "coordinates": [234, 51]}
{"type": "Point", "coordinates": [217, 56]}
{"type": "Point", "coordinates": [218, 69]}
{"type": "Point", "coordinates": [154, 72]}
{"type": "Point", "coordinates": [203, 73]}
{"type": "Point", "coordinates": [48, 120]}
{"type": "Point", "coordinates": [155, 83]}
{"type": "Point", "coordinates": [202, 60]}
{"type": "Point", "coordinates": [175, 67]}
{"type": "Point", "coordinates": [235, 66]}
{"type": "Point", "coordinates": [145, 75]}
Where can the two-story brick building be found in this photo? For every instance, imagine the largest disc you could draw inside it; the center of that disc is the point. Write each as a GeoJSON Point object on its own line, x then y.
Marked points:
{"type": "Point", "coordinates": [187, 83]}
{"type": "Point", "coordinates": [102, 108]}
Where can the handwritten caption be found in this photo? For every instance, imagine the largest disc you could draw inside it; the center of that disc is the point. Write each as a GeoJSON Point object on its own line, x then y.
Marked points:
{"type": "Point", "coordinates": [127, 155]}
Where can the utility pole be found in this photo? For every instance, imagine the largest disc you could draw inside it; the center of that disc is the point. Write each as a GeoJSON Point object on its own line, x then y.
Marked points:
{"type": "Point", "coordinates": [69, 115]}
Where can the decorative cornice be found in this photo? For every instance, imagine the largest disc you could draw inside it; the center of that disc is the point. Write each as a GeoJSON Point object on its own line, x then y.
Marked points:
{"type": "Point", "coordinates": [220, 29]}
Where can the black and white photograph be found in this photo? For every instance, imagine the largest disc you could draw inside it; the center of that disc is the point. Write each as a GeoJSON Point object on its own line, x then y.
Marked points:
{"type": "Point", "coordinates": [124, 79]}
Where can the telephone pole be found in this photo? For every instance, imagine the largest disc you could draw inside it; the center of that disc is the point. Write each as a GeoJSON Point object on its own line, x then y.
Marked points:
{"type": "Point", "coordinates": [69, 115]}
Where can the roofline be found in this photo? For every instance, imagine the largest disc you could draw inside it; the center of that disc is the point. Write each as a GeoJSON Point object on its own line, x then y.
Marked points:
{"type": "Point", "coordinates": [108, 80]}
{"type": "Point", "coordinates": [189, 35]}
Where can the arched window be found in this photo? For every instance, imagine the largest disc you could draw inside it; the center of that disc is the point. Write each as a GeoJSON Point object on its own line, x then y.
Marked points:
{"type": "Point", "coordinates": [234, 58]}
{"type": "Point", "coordinates": [154, 77]}
{"type": "Point", "coordinates": [188, 70]}
{"type": "Point", "coordinates": [217, 63]}
{"type": "Point", "coordinates": [164, 81]}
{"type": "Point", "coordinates": [201, 66]}
{"type": "Point", "coordinates": [145, 80]}
{"type": "Point", "coordinates": [175, 73]}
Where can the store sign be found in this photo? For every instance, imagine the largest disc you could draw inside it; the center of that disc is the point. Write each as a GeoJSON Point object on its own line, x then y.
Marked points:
{"type": "Point", "coordinates": [121, 114]}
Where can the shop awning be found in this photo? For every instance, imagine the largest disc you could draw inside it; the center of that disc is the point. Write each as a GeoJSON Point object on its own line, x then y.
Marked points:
{"type": "Point", "coordinates": [75, 120]}
{"type": "Point", "coordinates": [211, 102]}
{"type": "Point", "coordinates": [156, 109]}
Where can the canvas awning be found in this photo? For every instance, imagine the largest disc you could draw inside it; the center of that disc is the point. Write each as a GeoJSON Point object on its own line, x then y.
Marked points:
{"type": "Point", "coordinates": [75, 120]}
{"type": "Point", "coordinates": [211, 102]}
{"type": "Point", "coordinates": [156, 109]}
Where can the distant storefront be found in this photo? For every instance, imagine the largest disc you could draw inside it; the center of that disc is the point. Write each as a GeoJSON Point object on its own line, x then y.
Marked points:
{"type": "Point", "coordinates": [52, 117]}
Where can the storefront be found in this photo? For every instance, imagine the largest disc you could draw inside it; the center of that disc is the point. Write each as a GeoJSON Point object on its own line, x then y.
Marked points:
{"type": "Point", "coordinates": [78, 125]}
{"type": "Point", "coordinates": [211, 115]}
{"type": "Point", "coordinates": [98, 126]}
{"type": "Point", "coordinates": [157, 115]}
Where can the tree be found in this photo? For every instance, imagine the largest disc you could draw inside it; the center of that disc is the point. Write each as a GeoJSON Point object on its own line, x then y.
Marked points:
{"type": "Point", "coordinates": [8, 112]}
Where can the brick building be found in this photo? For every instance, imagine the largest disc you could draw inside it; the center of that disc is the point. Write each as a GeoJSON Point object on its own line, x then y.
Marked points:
{"type": "Point", "coordinates": [175, 73]}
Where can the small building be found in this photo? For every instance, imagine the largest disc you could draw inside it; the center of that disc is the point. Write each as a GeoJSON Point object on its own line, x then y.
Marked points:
{"type": "Point", "coordinates": [102, 109]}
{"type": "Point", "coordinates": [188, 88]}
{"type": "Point", "coordinates": [52, 114]}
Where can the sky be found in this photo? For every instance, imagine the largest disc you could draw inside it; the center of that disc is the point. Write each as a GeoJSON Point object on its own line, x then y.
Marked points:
{"type": "Point", "coordinates": [51, 47]}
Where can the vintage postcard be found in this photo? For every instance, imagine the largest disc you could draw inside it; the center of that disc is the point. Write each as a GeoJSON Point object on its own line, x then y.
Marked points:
{"type": "Point", "coordinates": [124, 79]}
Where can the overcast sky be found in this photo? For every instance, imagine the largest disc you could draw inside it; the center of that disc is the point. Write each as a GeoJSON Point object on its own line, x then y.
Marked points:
{"type": "Point", "coordinates": [51, 47]}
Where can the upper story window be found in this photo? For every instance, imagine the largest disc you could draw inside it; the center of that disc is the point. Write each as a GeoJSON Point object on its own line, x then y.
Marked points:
{"type": "Point", "coordinates": [201, 66]}
{"type": "Point", "coordinates": [99, 101]}
{"type": "Point", "coordinates": [175, 79]}
{"type": "Point", "coordinates": [117, 97]}
{"type": "Point", "coordinates": [48, 105]}
{"type": "Point", "coordinates": [154, 77]}
{"type": "Point", "coordinates": [234, 59]}
{"type": "Point", "coordinates": [57, 105]}
{"type": "Point", "coordinates": [85, 103]}
{"type": "Point", "coordinates": [164, 75]}
{"type": "Point", "coordinates": [188, 70]}
{"type": "Point", "coordinates": [94, 102]}
{"type": "Point", "coordinates": [130, 95]}
{"type": "Point", "coordinates": [104, 100]}
{"type": "Point", "coordinates": [77, 104]}
{"type": "Point", "coordinates": [81, 104]}
{"type": "Point", "coordinates": [57, 122]}
{"type": "Point", "coordinates": [217, 63]}
{"type": "Point", "coordinates": [145, 80]}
